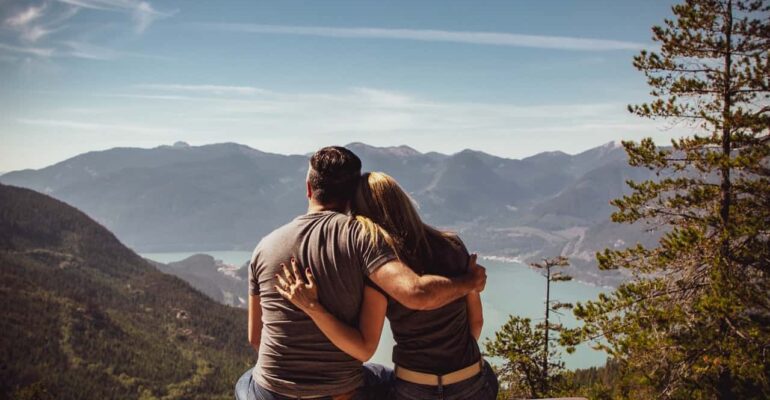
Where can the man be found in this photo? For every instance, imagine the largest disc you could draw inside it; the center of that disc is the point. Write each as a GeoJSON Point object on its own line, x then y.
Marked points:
{"type": "Point", "coordinates": [295, 359]}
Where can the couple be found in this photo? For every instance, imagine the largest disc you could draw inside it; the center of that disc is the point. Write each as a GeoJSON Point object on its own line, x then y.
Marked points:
{"type": "Point", "coordinates": [321, 286]}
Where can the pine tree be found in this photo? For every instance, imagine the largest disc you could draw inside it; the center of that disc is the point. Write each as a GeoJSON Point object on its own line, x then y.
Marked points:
{"type": "Point", "coordinates": [530, 365]}
{"type": "Point", "coordinates": [695, 320]}
{"type": "Point", "coordinates": [551, 306]}
{"type": "Point", "coordinates": [521, 347]}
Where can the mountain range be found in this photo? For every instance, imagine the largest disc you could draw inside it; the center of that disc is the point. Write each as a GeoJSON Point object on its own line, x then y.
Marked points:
{"type": "Point", "coordinates": [227, 196]}
{"type": "Point", "coordinates": [84, 317]}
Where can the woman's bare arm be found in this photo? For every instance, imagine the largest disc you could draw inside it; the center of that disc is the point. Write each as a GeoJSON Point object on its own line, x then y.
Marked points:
{"type": "Point", "coordinates": [475, 313]}
{"type": "Point", "coordinates": [359, 343]}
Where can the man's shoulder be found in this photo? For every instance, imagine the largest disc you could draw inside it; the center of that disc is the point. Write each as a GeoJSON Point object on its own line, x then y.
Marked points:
{"type": "Point", "coordinates": [279, 231]}
{"type": "Point", "coordinates": [340, 218]}
{"type": "Point", "coordinates": [277, 235]}
{"type": "Point", "coordinates": [293, 227]}
{"type": "Point", "coordinates": [331, 221]}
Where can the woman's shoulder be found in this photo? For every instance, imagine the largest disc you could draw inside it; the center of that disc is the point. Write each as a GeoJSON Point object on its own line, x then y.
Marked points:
{"type": "Point", "coordinates": [443, 241]}
{"type": "Point", "coordinates": [454, 240]}
{"type": "Point", "coordinates": [449, 252]}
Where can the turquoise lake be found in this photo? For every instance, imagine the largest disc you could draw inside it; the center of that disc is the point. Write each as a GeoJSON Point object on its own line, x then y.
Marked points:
{"type": "Point", "coordinates": [512, 289]}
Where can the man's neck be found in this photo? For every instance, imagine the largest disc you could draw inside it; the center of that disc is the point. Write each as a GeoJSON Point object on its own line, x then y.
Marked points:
{"type": "Point", "coordinates": [314, 206]}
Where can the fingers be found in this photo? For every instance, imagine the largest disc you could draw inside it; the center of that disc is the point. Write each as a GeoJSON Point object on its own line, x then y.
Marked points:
{"type": "Point", "coordinates": [310, 278]}
{"type": "Point", "coordinates": [289, 277]}
{"type": "Point", "coordinates": [291, 283]}
{"type": "Point", "coordinates": [478, 271]}
{"type": "Point", "coordinates": [283, 293]}
{"type": "Point", "coordinates": [482, 278]}
{"type": "Point", "coordinates": [295, 270]}
{"type": "Point", "coordinates": [482, 271]}
{"type": "Point", "coordinates": [282, 283]}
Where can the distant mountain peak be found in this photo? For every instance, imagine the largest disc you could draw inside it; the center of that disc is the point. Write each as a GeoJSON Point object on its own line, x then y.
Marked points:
{"type": "Point", "coordinates": [553, 153]}
{"type": "Point", "coordinates": [399, 151]}
{"type": "Point", "coordinates": [181, 144]}
{"type": "Point", "coordinates": [470, 153]}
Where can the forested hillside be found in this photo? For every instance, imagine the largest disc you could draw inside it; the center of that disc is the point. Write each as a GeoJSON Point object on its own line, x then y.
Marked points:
{"type": "Point", "coordinates": [84, 317]}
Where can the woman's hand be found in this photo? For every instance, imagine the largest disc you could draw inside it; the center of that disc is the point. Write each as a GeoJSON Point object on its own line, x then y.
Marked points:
{"type": "Point", "coordinates": [293, 288]}
{"type": "Point", "coordinates": [360, 343]}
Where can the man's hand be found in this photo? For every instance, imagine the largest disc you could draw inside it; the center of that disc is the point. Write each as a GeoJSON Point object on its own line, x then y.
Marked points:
{"type": "Point", "coordinates": [478, 274]}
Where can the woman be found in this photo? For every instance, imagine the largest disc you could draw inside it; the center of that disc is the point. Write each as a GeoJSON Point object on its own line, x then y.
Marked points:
{"type": "Point", "coordinates": [436, 353]}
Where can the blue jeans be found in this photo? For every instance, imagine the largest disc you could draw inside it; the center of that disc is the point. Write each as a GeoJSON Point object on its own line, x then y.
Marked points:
{"type": "Point", "coordinates": [483, 386]}
{"type": "Point", "coordinates": [377, 382]}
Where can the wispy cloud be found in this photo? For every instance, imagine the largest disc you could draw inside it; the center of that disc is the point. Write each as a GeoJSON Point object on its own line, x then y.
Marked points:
{"type": "Point", "coordinates": [206, 89]}
{"type": "Point", "coordinates": [96, 127]}
{"type": "Point", "coordinates": [28, 23]}
{"type": "Point", "coordinates": [169, 97]}
{"type": "Point", "coordinates": [73, 49]}
{"type": "Point", "coordinates": [142, 12]}
{"type": "Point", "coordinates": [47, 29]}
{"type": "Point", "coordinates": [26, 16]}
{"type": "Point", "coordinates": [431, 35]}
{"type": "Point", "coordinates": [36, 51]}
{"type": "Point", "coordinates": [144, 15]}
{"type": "Point", "coordinates": [94, 52]}
{"type": "Point", "coordinates": [89, 51]}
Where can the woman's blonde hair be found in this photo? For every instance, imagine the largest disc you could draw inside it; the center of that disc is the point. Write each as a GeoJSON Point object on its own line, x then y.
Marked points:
{"type": "Point", "coordinates": [384, 209]}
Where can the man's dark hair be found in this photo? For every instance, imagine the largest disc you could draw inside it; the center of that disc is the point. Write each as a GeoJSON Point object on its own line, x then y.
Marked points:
{"type": "Point", "coordinates": [334, 175]}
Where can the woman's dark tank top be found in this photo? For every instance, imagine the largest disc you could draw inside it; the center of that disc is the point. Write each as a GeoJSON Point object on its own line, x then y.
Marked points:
{"type": "Point", "coordinates": [437, 341]}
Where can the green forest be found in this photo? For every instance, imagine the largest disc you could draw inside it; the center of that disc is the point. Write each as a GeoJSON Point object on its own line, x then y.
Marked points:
{"type": "Point", "coordinates": [86, 318]}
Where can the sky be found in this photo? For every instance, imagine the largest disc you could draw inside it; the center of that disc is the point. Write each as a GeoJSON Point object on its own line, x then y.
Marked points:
{"type": "Point", "coordinates": [511, 78]}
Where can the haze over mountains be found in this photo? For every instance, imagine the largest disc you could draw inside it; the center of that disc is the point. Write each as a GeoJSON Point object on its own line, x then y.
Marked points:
{"type": "Point", "coordinates": [227, 196]}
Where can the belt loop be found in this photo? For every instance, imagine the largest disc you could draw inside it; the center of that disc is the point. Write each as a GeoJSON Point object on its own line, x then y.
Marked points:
{"type": "Point", "coordinates": [440, 387]}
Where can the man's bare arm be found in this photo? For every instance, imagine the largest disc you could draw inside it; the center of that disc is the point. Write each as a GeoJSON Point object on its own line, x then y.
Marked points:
{"type": "Point", "coordinates": [427, 292]}
{"type": "Point", "coordinates": [255, 321]}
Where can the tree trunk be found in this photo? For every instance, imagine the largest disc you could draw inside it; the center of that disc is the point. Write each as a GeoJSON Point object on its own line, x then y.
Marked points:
{"type": "Point", "coordinates": [547, 309]}
{"type": "Point", "coordinates": [725, 382]}
{"type": "Point", "coordinates": [726, 184]}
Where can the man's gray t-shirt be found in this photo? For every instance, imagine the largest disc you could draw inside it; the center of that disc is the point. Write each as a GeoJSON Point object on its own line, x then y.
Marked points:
{"type": "Point", "coordinates": [295, 357]}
